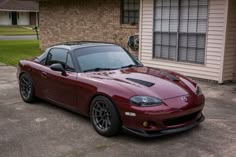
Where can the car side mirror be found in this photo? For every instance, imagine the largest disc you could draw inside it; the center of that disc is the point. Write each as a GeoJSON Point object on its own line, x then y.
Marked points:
{"type": "Point", "coordinates": [58, 67]}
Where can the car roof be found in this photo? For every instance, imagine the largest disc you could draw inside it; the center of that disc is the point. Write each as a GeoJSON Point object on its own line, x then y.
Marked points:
{"type": "Point", "coordinates": [72, 45]}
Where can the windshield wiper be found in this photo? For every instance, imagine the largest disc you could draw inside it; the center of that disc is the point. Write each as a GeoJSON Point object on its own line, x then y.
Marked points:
{"type": "Point", "coordinates": [99, 69]}
{"type": "Point", "coordinates": [131, 65]}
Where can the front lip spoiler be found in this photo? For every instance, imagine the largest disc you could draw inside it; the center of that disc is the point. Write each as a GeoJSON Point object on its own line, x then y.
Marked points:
{"type": "Point", "coordinates": [142, 133]}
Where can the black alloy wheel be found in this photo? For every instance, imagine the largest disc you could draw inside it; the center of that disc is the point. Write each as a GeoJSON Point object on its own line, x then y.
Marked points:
{"type": "Point", "coordinates": [26, 88]}
{"type": "Point", "coordinates": [104, 117]}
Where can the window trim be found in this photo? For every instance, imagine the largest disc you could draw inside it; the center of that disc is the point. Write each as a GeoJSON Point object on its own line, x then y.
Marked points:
{"type": "Point", "coordinates": [177, 60]}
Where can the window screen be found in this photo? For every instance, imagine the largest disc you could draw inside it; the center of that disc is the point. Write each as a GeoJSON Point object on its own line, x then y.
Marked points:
{"type": "Point", "coordinates": [130, 11]}
{"type": "Point", "coordinates": [180, 28]}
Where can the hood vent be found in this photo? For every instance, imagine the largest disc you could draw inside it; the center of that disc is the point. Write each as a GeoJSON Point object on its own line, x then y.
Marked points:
{"type": "Point", "coordinates": [170, 76]}
{"type": "Point", "coordinates": [144, 83]}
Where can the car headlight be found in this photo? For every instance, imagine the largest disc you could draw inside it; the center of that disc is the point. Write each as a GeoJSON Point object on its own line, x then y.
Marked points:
{"type": "Point", "coordinates": [198, 90]}
{"type": "Point", "coordinates": [145, 101]}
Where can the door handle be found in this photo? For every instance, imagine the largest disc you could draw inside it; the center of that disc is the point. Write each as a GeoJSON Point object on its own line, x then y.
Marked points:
{"type": "Point", "coordinates": [44, 75]}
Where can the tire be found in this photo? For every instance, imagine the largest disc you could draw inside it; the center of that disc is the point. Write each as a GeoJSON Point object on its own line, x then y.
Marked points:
{"type": "Point", "coordinates": [26, 88]}
{"type": "Point", "coordinates": [104, 117]}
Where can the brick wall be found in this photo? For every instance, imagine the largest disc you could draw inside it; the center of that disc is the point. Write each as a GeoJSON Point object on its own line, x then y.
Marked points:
{"type": "Point", "coordinates": [70, 20]}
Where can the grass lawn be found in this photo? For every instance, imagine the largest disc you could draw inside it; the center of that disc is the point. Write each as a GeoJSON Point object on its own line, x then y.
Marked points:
{"type": "Point", "coordinates": [16, 30]}
{"type": "Point", "coordinates": [12, 51]}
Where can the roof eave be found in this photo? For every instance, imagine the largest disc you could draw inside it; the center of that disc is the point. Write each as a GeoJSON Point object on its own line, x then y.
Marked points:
{"type": "Point", "coordinates": [16, 10]}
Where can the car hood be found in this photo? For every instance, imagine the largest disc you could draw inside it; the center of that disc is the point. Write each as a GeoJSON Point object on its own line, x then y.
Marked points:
{"type": "Point", "coordinates": [147, 81]}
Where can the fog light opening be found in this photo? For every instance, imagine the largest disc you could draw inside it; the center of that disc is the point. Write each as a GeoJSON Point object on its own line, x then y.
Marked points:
{"type": "Point", "coordinates": [146, 124]}
{"type": "Point", "coordinates": [149, 124]}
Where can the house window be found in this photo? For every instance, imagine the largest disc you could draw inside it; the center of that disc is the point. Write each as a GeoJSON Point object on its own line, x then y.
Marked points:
{"type": "Point", "coordinates": [180, 28]}
{"type": "Point", "coordinates": [130, 12]}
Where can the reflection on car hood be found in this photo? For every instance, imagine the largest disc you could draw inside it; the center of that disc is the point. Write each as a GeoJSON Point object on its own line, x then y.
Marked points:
{"type": "Point", "coordinates": [148, 81]}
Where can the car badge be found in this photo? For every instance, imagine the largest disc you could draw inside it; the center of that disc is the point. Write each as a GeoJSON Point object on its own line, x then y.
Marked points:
{"type": "Point", "coordinates": [184, 98]}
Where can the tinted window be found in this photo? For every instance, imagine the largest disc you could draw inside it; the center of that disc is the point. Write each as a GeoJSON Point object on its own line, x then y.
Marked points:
{"type": "Point", "coordinates": [42, 58]}
{"type": "Point", "coordinates": [57, 56]}
{"type": "Point", "coordinates": [69, 65]}
{"type": "Point", "coordinates": [112, 57]}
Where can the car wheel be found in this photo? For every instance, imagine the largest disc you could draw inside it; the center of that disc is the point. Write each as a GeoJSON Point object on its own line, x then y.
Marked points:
{"type": "Point", "coordinates": [104, 117]}
{"type": "Point", "coordinates": [26, 88]}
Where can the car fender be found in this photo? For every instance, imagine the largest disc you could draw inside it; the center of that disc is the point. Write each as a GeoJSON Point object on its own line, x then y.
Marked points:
{"type": "Point", "coordinates": [108, 88]}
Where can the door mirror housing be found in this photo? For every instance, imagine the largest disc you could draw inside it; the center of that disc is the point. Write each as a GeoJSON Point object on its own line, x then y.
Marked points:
{"type": "Point", "coordinates": [58, 67]}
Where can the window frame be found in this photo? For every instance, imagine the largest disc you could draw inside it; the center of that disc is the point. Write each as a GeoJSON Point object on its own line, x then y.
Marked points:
{"type": "Point", "coordinates": [122, 12]}
{"type": "Point", "coordinates": [177, 59]}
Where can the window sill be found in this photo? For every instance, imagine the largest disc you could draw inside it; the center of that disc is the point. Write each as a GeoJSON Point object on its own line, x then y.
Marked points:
{"type": "Point", "coordinates": [178, 62]}
{"type": "Point", "coordinates": [128, 26]}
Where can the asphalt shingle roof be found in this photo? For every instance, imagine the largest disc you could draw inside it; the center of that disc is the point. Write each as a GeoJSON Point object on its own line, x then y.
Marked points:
{"type": "Point", "coordinates": [16, 5]}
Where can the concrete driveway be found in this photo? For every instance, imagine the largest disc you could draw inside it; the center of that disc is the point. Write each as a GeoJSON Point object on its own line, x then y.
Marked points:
{"type": "Point", "coordinates": [44, 130]}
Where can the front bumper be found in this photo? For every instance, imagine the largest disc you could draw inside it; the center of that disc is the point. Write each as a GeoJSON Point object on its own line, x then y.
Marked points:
{"type": "Point", "coordinates": [152, 134]}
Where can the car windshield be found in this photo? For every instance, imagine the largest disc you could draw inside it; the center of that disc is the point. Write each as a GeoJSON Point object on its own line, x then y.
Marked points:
{"type": "Point", "coordinates": [104, 58]}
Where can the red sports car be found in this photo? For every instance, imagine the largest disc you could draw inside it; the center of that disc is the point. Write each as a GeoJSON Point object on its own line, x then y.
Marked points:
{"type": "Point", "coordinates": [104, 82]}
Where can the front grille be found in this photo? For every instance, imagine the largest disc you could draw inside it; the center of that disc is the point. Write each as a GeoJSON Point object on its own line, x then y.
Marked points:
{"type": "Point", "coordinates": [180, 120]}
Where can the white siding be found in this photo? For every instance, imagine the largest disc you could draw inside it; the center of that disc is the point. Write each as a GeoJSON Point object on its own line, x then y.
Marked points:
{"type": "Point", "coordinates": [230, 47]}
{"type": "Point", "coordinates": [23, 18]}
{"type": "Point", "coordinates": [212, 68]}
{"type": "Point", "coordinates": [4, 18]}
{"type": "Point", "coordinates": [234, 72]}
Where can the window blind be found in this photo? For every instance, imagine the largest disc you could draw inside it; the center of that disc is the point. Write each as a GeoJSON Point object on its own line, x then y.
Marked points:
{"type": "Point", "coordinates": [180, 28]}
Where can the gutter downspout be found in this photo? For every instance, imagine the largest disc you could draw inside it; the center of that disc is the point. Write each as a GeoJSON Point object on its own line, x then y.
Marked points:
{"type": "Point", "coordinates": [140, 29]}
{"type": "Point", "coordinates": [221, 79]}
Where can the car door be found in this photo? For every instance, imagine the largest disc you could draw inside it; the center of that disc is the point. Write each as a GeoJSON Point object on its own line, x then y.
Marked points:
{"type": "Point", "coordinates": [59, 87]}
